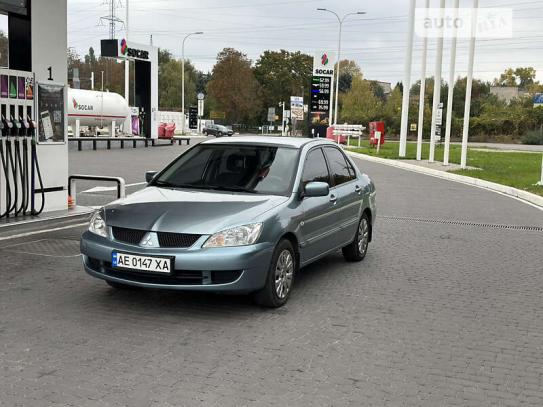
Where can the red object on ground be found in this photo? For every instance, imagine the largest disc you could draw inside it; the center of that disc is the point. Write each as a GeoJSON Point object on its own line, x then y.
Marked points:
{"type": "Point", "coordinates": [169, 130]}
{"type": "Point", "coordinates": [374, 127]}
{"type": "Point", "coordinates": [330, 135]}
{"type": "Point", "coordinates": [161, 130]}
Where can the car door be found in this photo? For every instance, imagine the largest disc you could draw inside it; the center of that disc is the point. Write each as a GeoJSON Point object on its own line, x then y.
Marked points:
{"type": "Point", "coordinates": [347, 190]}
{"type": "Point", "coordinates": [318, 226]}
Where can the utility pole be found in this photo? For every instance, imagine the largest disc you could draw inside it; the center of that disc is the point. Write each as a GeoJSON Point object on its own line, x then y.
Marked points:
{"type": "Point", "coordinates": [469, 84]}
{"type": "Point", "coordinates": [111, 18]}
{"type": "Point", "coordinates": [407, 79]}
{"type": "Point", "coordinates": [450, 95]}
{"type": "Point", "coordinates": [340, 21]}
{"type": "Point", "coordinates": [127, 62]}
{"type": "Point", "coordinates": [437, 85]}
{"type": "Point", "coordinates": [420, 127]}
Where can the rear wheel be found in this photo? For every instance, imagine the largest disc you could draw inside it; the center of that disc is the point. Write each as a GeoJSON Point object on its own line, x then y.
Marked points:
{"type": "Point", "coordinates": [280, 277]}
{"type": "Point", "coordinates": [357, 249]}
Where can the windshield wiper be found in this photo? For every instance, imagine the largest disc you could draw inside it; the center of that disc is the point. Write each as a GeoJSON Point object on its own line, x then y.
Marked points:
{"type": "Point", "coordinates": [232, 188]}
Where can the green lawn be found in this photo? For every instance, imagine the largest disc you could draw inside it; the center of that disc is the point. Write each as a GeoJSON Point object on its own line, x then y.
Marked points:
{"type": "Point", "coordinates": [519, 170]}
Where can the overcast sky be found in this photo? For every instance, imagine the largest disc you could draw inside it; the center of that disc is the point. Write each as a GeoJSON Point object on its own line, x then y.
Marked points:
{"type": "Point", "coordinates": [375, 41]}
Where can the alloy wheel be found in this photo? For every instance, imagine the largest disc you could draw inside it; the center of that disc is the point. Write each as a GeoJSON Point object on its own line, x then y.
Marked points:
{"type": "Point", "coordinates": [284, 271]}
{"type": "Point", "coordinates": [363, 236]}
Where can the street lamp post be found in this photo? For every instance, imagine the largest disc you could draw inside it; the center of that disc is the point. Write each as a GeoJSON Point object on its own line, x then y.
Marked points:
{"type": "Point", "coordinates": [340, 21]}
{"type": "Point", "coordinates": [183, 78]}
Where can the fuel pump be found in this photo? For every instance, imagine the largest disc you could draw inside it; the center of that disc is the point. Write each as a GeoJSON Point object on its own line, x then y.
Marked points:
{"type": "Point", "coordinates": [20, 174]}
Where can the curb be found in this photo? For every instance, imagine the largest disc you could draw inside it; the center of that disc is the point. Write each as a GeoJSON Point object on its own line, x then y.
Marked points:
{"type": "Point", "coordinates": [523, 196]}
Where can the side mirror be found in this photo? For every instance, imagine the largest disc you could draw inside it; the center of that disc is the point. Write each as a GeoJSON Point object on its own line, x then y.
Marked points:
{"type": "Point", "coordinates": [149, 175]}
{"type": "Point", "coordinates": [313, 189]}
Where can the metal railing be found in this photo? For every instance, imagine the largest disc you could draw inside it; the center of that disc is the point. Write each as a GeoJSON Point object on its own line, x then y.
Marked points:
{"type": "Point", "coordinates": [121, 184]}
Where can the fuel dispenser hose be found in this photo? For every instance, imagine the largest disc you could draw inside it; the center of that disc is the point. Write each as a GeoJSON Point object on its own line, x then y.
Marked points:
{"type": "Point", "coordinates": [36, 170]}
{"type": "Point", "coordinates": [4, 168]}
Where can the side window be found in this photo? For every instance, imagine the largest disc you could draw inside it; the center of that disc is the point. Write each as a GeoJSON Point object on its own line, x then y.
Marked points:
{"type": "Point", "coordinates": [340, 170]}
{"type": "Point", "coordinates": [315, 169]}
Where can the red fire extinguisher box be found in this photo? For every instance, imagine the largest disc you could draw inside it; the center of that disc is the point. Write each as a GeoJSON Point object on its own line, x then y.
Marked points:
{"type": "Point", "coordinates": [374, 127]}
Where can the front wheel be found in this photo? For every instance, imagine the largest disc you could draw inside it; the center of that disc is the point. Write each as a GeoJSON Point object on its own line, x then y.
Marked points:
{"type": "Point", "coordinates": [357, 249]}
{"type": "Point", "coordinates": [219, 134]}
{"type": "Point", "coordinates": [280, 277]}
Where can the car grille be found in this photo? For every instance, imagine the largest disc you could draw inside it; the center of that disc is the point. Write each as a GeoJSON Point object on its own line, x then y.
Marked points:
{"type": "Point", "coordinates": [166, 239]}
{"type": "Point", "coordinates": [132, 236]}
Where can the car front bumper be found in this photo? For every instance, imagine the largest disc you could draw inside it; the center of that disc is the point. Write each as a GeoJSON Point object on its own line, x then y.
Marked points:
{"type": "Point", "coordinates": [240, 269]}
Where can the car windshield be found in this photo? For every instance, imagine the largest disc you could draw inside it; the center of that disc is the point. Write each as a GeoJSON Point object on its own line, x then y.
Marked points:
{"type": "Point", "coordinates": [238, 168]}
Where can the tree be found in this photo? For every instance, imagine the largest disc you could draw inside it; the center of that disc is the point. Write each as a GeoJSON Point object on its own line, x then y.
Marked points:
{"type": "Point", "coordinates": [282, 74]}
{"type": "Point", "coordinates": [348, 70]}
{"type": "Point", "coordinates": [525, 76]}
{"type": "Point", "coordinates": [233, 88]}
{"type": "Point", "coordinates": [169, 84]}
{"type": "Point", "coordinates": [359, 104]}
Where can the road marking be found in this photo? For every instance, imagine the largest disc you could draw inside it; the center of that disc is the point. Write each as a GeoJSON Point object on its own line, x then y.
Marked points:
{"type": "Point", "coordinates": [37, 232]}
{"type": "Point", "coordinates": [106, 189]}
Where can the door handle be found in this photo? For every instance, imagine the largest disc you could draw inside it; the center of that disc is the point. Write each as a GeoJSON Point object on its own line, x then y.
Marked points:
{"type": "Point", "coordinates": [357, 189]}
{"type": "Point", "coordinates": [333, 199]}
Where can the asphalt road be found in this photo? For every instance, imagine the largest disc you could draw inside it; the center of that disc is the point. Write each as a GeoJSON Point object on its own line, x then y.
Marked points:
{"type": "Point", "coordinates": [445, 310]}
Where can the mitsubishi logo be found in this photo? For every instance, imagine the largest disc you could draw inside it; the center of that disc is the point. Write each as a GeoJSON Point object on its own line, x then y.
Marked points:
{"type": "Point", "coordinates": [147, 241]}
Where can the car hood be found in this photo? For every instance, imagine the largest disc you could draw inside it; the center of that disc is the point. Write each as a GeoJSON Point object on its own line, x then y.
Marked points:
{"type": "Point", "coordinates": [188, 211]}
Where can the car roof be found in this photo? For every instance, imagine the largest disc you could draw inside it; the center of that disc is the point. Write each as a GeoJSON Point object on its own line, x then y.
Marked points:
{"type": "Point", "coordinates": [292, 142]}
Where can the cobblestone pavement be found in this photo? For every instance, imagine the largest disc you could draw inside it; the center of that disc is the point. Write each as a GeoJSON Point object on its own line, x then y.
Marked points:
{"type": "Point", "coordinates": [442, 312]}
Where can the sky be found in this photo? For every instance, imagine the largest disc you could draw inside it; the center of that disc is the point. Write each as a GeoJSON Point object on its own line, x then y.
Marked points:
{"type": "Point", "coordinates": [376, 40]}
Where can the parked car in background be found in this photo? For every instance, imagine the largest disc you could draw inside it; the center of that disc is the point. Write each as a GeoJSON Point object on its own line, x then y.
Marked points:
{"type": "Point", "coordinates": [217, 130]}
{"type": "Point", "coordinates": [235, 215]}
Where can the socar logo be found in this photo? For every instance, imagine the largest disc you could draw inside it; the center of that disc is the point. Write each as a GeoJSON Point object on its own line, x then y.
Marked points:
{"type": "Point", "coordinates": [324, 59]}
{"type": "Point", "coordinates": [124, 46]}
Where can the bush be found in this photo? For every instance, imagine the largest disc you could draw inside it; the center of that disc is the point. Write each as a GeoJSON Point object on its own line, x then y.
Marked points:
{"type": "Point", "coordinates": [534, 137]}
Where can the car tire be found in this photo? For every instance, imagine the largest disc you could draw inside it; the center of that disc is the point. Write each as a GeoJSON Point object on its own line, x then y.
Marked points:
{"type": "Point", "coordinates": [205, 133]}
{"type": "Point", "coordinates": [119, 286]}
{"type": "Point", "coordinates": [280, 277]}
{"type": "Point", "coordinates": [357, 249]}
{"type": "Point", "coordinates": [219, 134]}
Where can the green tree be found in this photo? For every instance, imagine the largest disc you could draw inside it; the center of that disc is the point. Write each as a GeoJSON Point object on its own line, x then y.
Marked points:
{"type": "Point", "coordinates": [169, 84]}
{"type": "Point", "coordinates": [282, 74]}
{"type": "Point", "coordinates": [233, 88]}
{"type": "Point", "coordinates": [359, 104]}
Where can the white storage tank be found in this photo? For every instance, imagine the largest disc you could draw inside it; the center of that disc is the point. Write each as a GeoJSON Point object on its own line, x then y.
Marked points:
{"type": "Point", "coordinates": [93, 108]}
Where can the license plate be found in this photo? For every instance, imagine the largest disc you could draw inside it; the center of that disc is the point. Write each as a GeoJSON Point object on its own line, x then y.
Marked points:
{"type": "Point", "coordinates": [141, 263]}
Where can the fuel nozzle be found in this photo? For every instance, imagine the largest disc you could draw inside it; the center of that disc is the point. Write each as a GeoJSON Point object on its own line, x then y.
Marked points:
{"type": "Point", "coordinates": [25, 126]}
{"type": "Point", "coordinates": [16, 127]}
{"type": "Point", "coordinates": [32, 125]}
{"type": "Point", "coordinates": [7, 126]}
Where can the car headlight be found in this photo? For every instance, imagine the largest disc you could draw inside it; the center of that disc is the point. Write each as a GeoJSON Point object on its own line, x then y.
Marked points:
{"type": "Point", "coordinates": [238, 236]}
{"type": "Point", "coordinates": [97, 224]}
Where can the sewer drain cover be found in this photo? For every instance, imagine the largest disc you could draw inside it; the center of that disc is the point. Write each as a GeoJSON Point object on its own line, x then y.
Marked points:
{"type": "Point", "coordinates": [47, 247]}
{"type": "Point", "coordinates": [464, 223]}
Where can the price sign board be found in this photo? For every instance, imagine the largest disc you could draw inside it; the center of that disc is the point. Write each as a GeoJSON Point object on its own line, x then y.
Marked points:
{"type": "Point", "coordinates": [320, 94]}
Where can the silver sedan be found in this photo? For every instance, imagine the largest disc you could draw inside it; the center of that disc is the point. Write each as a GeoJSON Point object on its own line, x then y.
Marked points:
{"type": "Point", "coordinates": [241, 215]}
